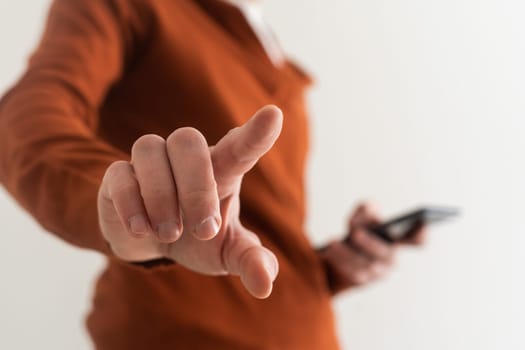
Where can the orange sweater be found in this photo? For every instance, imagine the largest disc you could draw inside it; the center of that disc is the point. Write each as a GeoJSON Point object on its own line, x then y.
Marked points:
{"type": "Point", "coordinates": [109, 71]}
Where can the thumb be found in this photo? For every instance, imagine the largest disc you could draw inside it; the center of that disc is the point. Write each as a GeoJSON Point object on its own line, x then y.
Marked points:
{"type": "Point", "coordinates": [257, 266]}
{"type": "Point", "coordinates": [239, 150]}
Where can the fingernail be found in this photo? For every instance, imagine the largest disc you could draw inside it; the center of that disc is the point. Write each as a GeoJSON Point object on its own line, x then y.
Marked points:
{"type": "Point", "coordinates": [168, 231]}
{"type": "Point", "coordinates": [208, 228]}
{"type": "Point", "coordinates": [138, 225]}
{"type": "Point", "coordinates": [270, 264]}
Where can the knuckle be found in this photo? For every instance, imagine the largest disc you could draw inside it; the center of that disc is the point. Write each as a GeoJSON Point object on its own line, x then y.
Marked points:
{"type": "Point", "coordinates": [255, 144]}
{"type": "Point", "coordinates": [148, 143]}
{"type": "Point", "coordinates": [360, 238]}
{"type": "Point", "coordinates": [117, 167]}
{"type": "Point", "coordinates": [116, 170]}
{"type": "Point", "coordinates": [119, 184]}
{"type": "Point", "coordinates": [186, 137]}
{"type": "Point", "coordinates": [159, 197]}
{"type": "Point", "coordinates": [200, 197]}
{"type": "Point", "coordinates": [238, 154]}
{"type": "Point", "coordinates": [245, 153]}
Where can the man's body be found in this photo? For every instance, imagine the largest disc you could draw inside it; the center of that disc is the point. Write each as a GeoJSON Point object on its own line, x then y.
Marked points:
{"type": "Point", "coordinates": [179, 199]}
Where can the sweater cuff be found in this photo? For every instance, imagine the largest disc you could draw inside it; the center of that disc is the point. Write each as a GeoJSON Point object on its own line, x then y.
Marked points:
{"type": "Point", "coordinates": [146, 264]}
{"type": "Point", "coordinates": [149, 264]}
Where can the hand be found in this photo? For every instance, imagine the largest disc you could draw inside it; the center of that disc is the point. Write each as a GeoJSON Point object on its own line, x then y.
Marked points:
{"type": "Point", "coordinates": [362, 257]}
{"type": "Point", "coordinates": [179, 199]}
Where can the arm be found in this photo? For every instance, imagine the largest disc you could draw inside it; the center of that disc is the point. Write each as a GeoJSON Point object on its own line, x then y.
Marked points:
{"type": "Point", "coordinates": [50, 158]}
{"type": "Point", "coordinates": [176, 198]}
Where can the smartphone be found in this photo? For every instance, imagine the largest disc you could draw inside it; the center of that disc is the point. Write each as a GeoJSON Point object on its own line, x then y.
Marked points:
{"type": "Point", "coordinates": [403, 226]}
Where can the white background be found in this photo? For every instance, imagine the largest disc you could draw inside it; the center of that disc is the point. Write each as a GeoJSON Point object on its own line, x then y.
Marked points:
{"type": "Point", "coordinates": [417, 101]}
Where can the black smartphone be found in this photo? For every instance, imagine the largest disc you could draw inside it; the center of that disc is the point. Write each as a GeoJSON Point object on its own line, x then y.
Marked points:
{"type": "Point", "coordinates": [403, 226]}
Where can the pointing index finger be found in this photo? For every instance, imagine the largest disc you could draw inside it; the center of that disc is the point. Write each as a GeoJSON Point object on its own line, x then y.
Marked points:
{"type": "Point", "coordinates": [239, 150]}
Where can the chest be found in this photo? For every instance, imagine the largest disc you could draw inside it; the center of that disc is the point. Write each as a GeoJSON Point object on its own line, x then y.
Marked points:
{"type": "Point", "coordinates": [205, 70]}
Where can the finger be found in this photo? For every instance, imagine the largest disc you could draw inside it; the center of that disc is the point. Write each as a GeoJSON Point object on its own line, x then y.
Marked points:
{"type": "Point", "coordinates": [157, 186]}
{"type": "Point", "coordinates": [243, 255]}
{"type": "Point", "coordinates": [371, 246]}
{"type": "Point", "coordinates": [239, 150]}
{"type": "Point", "coordinates": [190, 160]}
{"type": "Point", "coordinates": [120, 189]}
{"type": "Point", "coordinates": [365, 215]}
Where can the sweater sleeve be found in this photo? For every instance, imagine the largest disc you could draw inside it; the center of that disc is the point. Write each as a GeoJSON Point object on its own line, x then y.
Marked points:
{"type": "Point", "coordinates": [334, 280]}
{"type": "Point", "coordinates": [51, 160]}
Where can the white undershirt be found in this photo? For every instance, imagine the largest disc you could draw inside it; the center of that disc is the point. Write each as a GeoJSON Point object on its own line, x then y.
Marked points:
{"type": "Point", "coordinates": [252, 11]}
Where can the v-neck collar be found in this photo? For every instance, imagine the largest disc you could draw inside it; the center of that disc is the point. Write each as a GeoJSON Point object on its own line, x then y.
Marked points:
{"type": "Point", "coordinates": [231, 28]}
